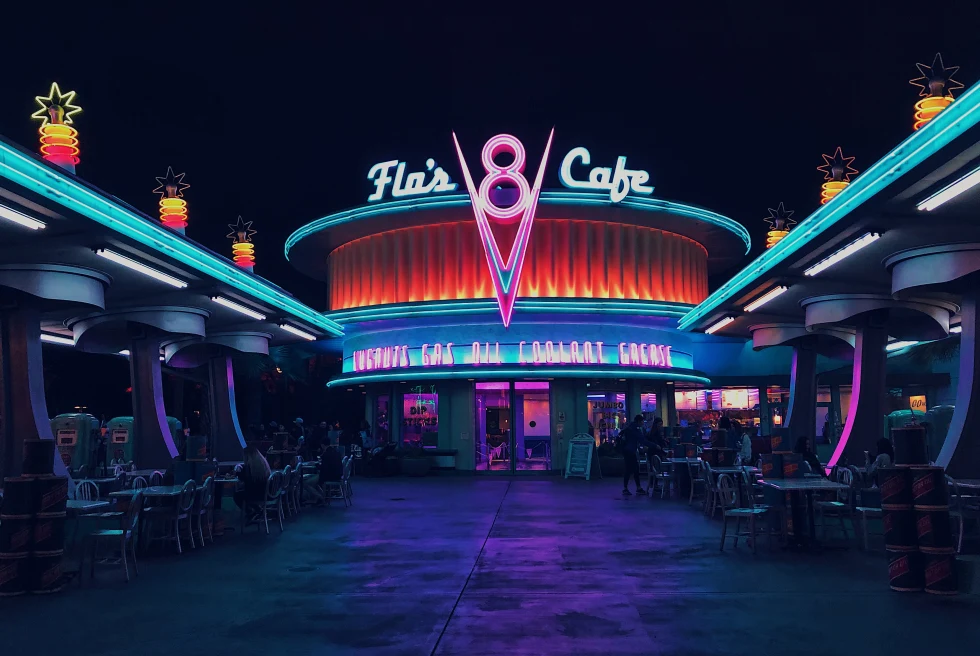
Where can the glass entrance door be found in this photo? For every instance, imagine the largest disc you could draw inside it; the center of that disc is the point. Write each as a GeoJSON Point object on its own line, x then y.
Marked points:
{"type": "Point", "coordinates": [513, 426]}
{"type": "Point", "coordinates": [493, 427]}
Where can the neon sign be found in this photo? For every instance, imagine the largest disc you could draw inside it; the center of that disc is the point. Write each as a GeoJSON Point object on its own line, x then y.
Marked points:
{"type": "Point", "coordinates": [505, 275]}
{"type": "Point", "coordinates": [619, 182]}
{"type": "Point", "coordinates": [548, 352]}
{"type": "Point", "coordinates": [411, 185]}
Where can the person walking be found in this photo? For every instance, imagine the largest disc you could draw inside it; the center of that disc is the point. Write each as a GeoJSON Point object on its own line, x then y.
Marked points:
{"type": "Point", "coordinates": [632, 438]}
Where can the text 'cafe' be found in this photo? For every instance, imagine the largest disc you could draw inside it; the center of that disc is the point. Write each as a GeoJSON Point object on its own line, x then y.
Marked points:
{"type": "Point", "coordinates": [498, 302]}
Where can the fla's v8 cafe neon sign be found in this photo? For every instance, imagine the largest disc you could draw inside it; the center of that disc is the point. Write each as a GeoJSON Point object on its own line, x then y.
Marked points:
{"type": "Point", "coordinates": [505, 270]}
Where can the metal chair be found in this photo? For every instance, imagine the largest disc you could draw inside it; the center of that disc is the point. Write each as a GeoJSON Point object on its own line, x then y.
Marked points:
{"type": "Point", "coordinates": [339, 489]}
{"type": "Point", "coordinates": [204, 509]}
{"type": "Point", "coordinates": [962, 509]}
{"type": "Point", "coordinates": [657, 474]}
{"type": "Point", "coordinates": [728, 499]}
{"type": "Point", "coordinates": [697, 478]}
{"type": "Point", "coordinates": [273, 499]}
{"type": "Point", "coordinates": [287, 478]}
{"type": "Point", "coordinates": [839, 508]}
{"type": "Point", "coordinates": [139, 483]}
{"type": "Point", "coordinates": [156, 478]}
{"type": "Point", "coordinates": [87, 491]}
{"type": "Point", "coordinates": [126, 534]}
{"type": "Point", "coordinates": [171, 516]}
{"type": "Point", "coordinates": [296, 490]}
{"type": "Point", "coordinates": [711, 499]}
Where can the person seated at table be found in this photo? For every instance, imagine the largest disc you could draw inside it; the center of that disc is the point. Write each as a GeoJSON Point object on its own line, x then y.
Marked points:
{"type": "Point", "coordinates": [658, 444]}
{"type": "Point", "coordinates": [254, 475]}
{"type": "Point", "coordinates": [885, 458]}
{"type": "Point", "coordinates": [809, 457]}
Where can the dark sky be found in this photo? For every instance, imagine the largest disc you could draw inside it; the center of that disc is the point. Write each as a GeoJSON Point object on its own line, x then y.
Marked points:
{"type": "Point", "coordinates": [277, 115]}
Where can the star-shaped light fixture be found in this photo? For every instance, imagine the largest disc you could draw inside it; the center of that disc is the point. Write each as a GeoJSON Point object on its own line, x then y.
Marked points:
{"type": "Point", "coordinates": [936, 86]}
{"type": "Point", "coordinates": [56, 107]}
{"type": "Point", "coordinates": [59, 140]}
{"type": "Point", "coordinates": [171, 185]}
{"type": "Point", "coordinates": [837, 172]}
{"type": "Point", "coordinates": [242, 248]}
{"type": "Point", "coordinates": [779, 224]}
{"type": "Point", "coordinates": [173, 207]}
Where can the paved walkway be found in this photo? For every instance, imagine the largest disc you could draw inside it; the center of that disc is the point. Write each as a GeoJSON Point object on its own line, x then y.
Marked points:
{"type": "Point", "coordinates": [492, 566]}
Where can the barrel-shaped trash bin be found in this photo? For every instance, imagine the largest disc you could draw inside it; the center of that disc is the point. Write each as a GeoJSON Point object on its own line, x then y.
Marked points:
{"type": "Point", "coordinates": [929, 488]}
{"type": "Point", "coordinates": [905, 571]}
{"type": "Point", "coordinates": [16, 533]}
{"type": "Point", "coordinates": [14, 573]}
{"type": "Point", "coordinates": [896, 486]}
{"type": "Point", "coordinates": [939, 574]}
{"type": "Point", "coordinates": [899, 527]}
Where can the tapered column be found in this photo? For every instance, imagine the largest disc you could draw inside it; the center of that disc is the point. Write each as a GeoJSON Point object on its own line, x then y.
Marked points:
{"type": "Point", "coordinates": [864, 418]}
{"type": "Point", "coordinates": [960, 455]}
{"type": "Point", "coordinates": [153, 443]}
{"type": "Point", "coordinates": [228, 439]}
{"type": "Point", "coordinates": [24, 409]}
{"type": "Point", "coordinates": [801, 414]}
{"type": "Point", "coordinates": [25, 291]}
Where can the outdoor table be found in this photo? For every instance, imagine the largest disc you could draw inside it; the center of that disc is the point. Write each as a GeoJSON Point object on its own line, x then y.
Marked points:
{"type": "Point", "coordinates": [969, 483]}
{"type": "Point", "coordinates": [145, 473]}
{"type": "Point", "coordinates": [807, 486]}
{"type": "Point", "coordinates": [157, 491]}
{"type": "Point", "coordinates": [83, 507]}
{"type": "Point", "coordinates": [105, 485]}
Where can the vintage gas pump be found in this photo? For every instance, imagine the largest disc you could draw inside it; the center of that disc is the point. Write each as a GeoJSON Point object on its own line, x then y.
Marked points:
{"type": "Point", "coordinates": [73, 435]}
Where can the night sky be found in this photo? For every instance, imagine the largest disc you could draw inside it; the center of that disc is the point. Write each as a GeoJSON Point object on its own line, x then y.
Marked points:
{"type": "Point", "coordinates": [277, 116]}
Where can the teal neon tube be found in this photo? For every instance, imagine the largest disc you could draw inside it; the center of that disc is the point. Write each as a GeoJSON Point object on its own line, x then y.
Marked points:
{"type": "Point", "coordinates": [37, 177]}
{"type": "Point", "coordinates": [953, 121]}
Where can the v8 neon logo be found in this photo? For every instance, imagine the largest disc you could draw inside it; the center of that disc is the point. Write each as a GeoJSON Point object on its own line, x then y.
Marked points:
{"type": "Point", "coordinates": [505, 274]}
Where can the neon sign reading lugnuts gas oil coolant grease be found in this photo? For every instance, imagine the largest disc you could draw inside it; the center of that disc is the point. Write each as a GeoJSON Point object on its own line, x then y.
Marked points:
{"type": "Point", "coordinates": [547, 352]}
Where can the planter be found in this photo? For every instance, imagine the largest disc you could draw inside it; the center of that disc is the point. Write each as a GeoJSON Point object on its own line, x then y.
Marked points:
{"type": "Point", "coordinates": [415, 466]}
{"type": "Point", "coordinates": [611, 466]}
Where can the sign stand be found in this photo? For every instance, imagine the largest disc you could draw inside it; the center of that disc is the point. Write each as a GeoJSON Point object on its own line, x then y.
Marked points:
{"type": "Point", "coordinates": [579, 458]}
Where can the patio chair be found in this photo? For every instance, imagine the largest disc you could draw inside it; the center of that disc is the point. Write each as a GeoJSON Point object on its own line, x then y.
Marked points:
{"type": "Point", "coordinates": [697, 479]}
{"type": "Point", "coordinates": [658, 475]}
{"type": "Point", "coordinates": [273, 499]}
{"type": "Point", "coordinates": [171, 515]}
{"type": "Point", "coordinates": [87, 491]}
{"type": "Point", "coordinates": [139, 483]}
{"type": "Point", "coordinates": [203, 512]}
{"type": "Point", "coordinates": [839, 508]}
{"type": "Point", "coordinates": [287, 477]}
{"type": "Point", "coordinates": [711, 500]}
{"type": "Point", "coordinates": [728, 500]}
{"type": "Point", "coordinates": [296, 491]}
{"type": "Point", "coordinates": [348, 474]}
{"type": "Point", "coordinates": [961, 510]}
{"type": "Point", "coordinates": [156, 478]}
{"type": "Point", "coordinates": [339, 489]}
{"type": "Point", "coordinates": [126, 534]}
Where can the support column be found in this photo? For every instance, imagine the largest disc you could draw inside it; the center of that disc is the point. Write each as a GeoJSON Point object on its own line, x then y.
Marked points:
{"type": "Point", "coordinates": [864, 417]}
{"type": "Point", "coordinates": [228, 439]}
{"type": "Point", "coordinates": [153, 443]}
{"type": "Point", "coordinates": [24, 410]}
{"type": "Point", "coordinates": [633, 399]}
{"type": "Point", "coordinates": [801, 414]}
{"type": "Point", "coordinates": [764, 427]}
{"type": "Point", "coordinates": [960, 455]}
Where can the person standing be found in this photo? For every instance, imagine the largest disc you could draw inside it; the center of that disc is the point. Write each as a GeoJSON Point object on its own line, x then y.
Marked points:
{"type": "Point", "coordinates": [631, 439]}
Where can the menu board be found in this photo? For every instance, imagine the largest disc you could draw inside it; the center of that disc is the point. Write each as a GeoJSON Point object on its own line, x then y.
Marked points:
{"type": "Point", "coordinates": [579, 460]}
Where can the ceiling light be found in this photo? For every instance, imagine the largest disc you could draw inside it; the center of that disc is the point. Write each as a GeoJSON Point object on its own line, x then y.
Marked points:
{"type": "Point", "coordinates": [248, 312]}
{"type": "Point", "coordinates": [850, 249]}
{"type": "Point", "coordinates": [710, 330]}
{"type": "Point", "coordinates": [950, 192]}
{"type": "Point", "coordinates": [958, 328]}
{"type": "Point", "coordinates": [124, 352]}
{"type": "Point", "coordinates": [765, 298]}
{"type": "Point", "coordinates": [57, 339]}
{"type": "Point", "coordinates": [897, 346]}
{"type": "Point", "coordinates": [296, 331]}
{"type": "Point", "coordinates": [20, 218]}
{"type": "Point", "coordinates": [140, 267]}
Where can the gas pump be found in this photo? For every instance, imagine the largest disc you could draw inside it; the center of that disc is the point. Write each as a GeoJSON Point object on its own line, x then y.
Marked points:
{"type": "Point", "coordinates": [119, 439]}
{"type": "Point", "coordinates": [73, 438]}
{"type": "Point", "coordinates": [119, 433]}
